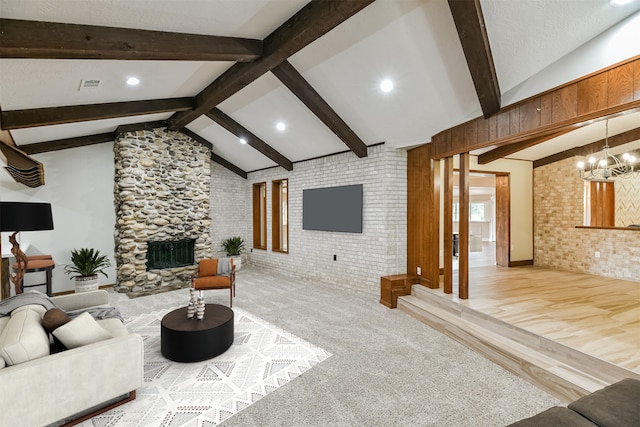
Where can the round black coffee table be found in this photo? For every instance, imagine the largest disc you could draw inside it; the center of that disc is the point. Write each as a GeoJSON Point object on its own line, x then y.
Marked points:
{"type": "Point", "coordinates": [193, 340]}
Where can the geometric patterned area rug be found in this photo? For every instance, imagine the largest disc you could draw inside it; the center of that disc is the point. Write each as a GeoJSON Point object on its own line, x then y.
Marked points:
{"type": "Point", "coordinates": [262, 358]}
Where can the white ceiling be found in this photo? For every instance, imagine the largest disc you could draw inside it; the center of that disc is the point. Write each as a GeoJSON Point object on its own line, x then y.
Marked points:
{"type": "Point", "coordinates": [413, 42]}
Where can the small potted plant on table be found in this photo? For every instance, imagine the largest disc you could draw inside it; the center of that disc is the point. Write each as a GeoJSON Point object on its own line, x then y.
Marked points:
{"type": "Point", "coordinates": [233, 246]}
{"type": "Point", "coordinates": [85, 265]}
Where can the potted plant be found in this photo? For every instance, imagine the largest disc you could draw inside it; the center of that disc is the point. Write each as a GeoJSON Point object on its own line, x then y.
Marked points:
{"type": "Point", "coordinates": [85, 265]}
{"type": "Point", "coordinates": [233, 246]}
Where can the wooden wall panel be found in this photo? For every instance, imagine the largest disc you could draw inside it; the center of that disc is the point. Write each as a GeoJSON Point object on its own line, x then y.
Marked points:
{"type": "Point", "coordinates": [636, 81]}
{"type": "Point", "coordinates": [601, 94]}
{"type": "Point", "coordinates": [620, 85]}
{"type": "Point", "coordinates": [602, 204]}
{"type": "Point", "coordinates": [564, 103]}
{"type": "Point", "coordinates": [546, 109]}
{"type": "Point", "coordinates": [482, 127]}
{"type": "Point", "coordinates": [529, 115]}
{"type": "Point", "coordinates": [493, 127]}
{"type": "Point", "coordinates": [503, 124]}
{"type": "Point", "coordinates": [592, 94]}
{"type": "Point", "coordinates": [470, 132]}
{"type": "Point", "coordinates": [419, 179]}
{"type": "Point", "coordinates": [514, 121]}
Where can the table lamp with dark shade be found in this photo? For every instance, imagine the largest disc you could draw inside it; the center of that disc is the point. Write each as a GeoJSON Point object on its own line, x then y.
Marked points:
{"type": "Point", "coordinates": [23, 216]}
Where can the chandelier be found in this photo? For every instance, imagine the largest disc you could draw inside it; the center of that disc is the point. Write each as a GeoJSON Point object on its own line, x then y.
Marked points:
{"type": "Point", "coordinates": [606, 166]}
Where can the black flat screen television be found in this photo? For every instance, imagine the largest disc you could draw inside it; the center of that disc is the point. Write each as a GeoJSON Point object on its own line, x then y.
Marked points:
{"type": "Point", "coordinates": [333, 209]}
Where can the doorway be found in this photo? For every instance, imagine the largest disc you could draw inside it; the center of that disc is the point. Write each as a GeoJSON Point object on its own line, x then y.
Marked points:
{"type": "Point", "coordinates": [489, 214]}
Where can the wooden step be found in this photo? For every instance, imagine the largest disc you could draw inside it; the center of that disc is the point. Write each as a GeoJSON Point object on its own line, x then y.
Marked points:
{"type": "Point", "coordinates": [564, 372]}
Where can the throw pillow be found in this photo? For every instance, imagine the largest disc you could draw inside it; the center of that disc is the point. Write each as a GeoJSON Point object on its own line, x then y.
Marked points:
{"type": "Point", "coordinates": [80, 331]}
{"type": "Point", "coordinates": [53, 319]}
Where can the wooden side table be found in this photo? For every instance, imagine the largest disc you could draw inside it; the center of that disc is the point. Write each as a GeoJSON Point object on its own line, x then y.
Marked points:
{"type": "Point", "coordinates": [391, 287]}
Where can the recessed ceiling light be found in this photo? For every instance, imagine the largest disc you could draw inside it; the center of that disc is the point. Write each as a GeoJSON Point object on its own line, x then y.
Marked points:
{"type": "Point", "coordinates": [132, 81]}
{"type": "Point", "coordinates": [386, 85]}
{"type": "Point", "coordinates": [281, 126]}
{"type": "Point", "coordinates": [243, 140]}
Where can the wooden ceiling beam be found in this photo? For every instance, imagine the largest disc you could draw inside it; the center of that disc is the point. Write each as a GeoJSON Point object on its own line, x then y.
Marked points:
{"type": "Point", "coordinates": [604, 93]}
{"type": "Point", "coordinates": [63, 144]}
{"type": "Point", "coordinates": [216, 158]}
{"type": "Point", "coordinates": [50, 40]}
{"type": "Point", "coordinates": [586, 150]}
{"type": "Point", "coordinates": [467, 15]}
{"type": "Point", "coordinates": [289, 76]}
{"type": "Point", "coordinates": [18, 119]}
{"type": "Point", "coordinates": [241, 132]}
{"type": "Point", "coordinates": [505, 150]}
{"type": "Point", "coordinates": [315, 19]}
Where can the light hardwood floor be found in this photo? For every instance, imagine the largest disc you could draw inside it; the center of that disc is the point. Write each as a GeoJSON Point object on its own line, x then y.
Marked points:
{"type": "Point", "coordinates": [596, 315]}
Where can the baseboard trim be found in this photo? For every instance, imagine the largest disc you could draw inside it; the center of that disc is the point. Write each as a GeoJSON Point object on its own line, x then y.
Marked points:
{"type": "Point", "coordinates": [520, 263]}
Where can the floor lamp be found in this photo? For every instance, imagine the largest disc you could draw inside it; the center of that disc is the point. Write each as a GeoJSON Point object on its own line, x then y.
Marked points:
{"type": "Point", "coordinates": [23, 216]}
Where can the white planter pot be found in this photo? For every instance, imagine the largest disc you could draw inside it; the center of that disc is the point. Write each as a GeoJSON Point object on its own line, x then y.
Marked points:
{"type": "Point", "coordinates": [237, 261]}
{"type": "Point", "coordinates": [86, 283]}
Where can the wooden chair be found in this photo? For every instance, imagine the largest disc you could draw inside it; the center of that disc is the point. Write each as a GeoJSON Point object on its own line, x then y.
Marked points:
{"type": "Point", "coordinates": [210, 276]}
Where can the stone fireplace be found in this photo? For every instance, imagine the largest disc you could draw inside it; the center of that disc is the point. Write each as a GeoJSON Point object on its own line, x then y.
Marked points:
{"type": "Point", "coordinates": [161, 193]}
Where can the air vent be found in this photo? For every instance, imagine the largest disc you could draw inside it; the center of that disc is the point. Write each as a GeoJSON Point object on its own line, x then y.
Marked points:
{"type": "Point", "coordinates": [89, 84]}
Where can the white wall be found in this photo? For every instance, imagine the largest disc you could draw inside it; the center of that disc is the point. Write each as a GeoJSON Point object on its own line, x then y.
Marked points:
{"type": "Point", "coordinates": [79, 186]}
{"type": "Point", "coordinates": [361, 258]}
{"type": "Point", "coordinates": [521, 192]}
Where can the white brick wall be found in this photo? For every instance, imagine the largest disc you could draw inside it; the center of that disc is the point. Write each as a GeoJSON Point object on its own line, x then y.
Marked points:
{"type": "Point", "coordinates": [381, 248]}
{"type": "Point", "coordinates": [230, 214]}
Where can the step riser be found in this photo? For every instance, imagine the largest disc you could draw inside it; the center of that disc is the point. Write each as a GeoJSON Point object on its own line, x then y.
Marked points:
{"type": "Point", "coordinates": [537, 375]}
{"type": "Point", "coordinates": [598, 368]}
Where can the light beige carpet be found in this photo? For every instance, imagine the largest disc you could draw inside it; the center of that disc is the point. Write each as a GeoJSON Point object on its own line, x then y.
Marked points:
{"type": "Point", "coordinates": [386, 367]}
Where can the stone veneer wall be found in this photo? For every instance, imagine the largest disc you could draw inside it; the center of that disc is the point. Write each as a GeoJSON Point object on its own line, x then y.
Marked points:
{"type": "Point", "coordinates": [361, 258]}
{"type": "Point", "coordinates": [161, 192]}
{"type": "Point", "coordinates": [558, 209]}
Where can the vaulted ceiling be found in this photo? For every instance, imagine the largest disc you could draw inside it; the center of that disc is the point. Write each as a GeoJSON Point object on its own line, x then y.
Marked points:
{"type": "Point", "coordinates": [313, 66]}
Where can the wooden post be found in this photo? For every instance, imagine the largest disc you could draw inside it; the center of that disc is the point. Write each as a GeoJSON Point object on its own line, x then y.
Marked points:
{"type": "Point", "coordinates": [448, 225]}
{"type": "Point", "coordinates": [463, 259]}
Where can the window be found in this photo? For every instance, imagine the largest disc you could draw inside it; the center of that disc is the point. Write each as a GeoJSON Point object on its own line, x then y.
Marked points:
{"type": "Point", "coordinates": [260, 215]}
{"type": "Point", "coordinates": [476, 211]}
{"type": "Point", "coordinates": [280, 216]}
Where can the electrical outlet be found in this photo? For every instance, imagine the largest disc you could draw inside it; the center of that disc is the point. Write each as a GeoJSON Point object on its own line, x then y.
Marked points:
{"type": "Point", "coordinates": [335, 257]}
{"type": "Point", "coordinates": [597, 254]}
{"type": "Point", "coordinates": [418, 271]}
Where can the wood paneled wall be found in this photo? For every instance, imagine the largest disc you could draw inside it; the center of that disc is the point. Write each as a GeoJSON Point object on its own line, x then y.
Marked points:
{"type": "Point", "coordinates": [606, 92]}
{"type": "Point", "coordinates": [423, 214]}
{"type": "Point", "coordinates": [602, 204]}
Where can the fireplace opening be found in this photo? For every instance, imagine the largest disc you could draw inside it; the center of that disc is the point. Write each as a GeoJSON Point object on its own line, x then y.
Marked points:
{"type": "Point", "coordinates": [170, 254]}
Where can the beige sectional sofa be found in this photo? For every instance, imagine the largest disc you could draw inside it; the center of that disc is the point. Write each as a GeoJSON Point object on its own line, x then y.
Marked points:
{"type": "Point", "coordinates": [39, 388]}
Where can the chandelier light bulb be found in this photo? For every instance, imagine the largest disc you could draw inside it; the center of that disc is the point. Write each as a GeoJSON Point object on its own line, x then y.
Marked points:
{"type": "Point", "coordinates": [632, 159]}
{"type": "Point", "coordinates": [602, 163]}
{"type": "Point", "coordinates": [592, 160]}
{"type": "Point", "coordinates": [580, 165]}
